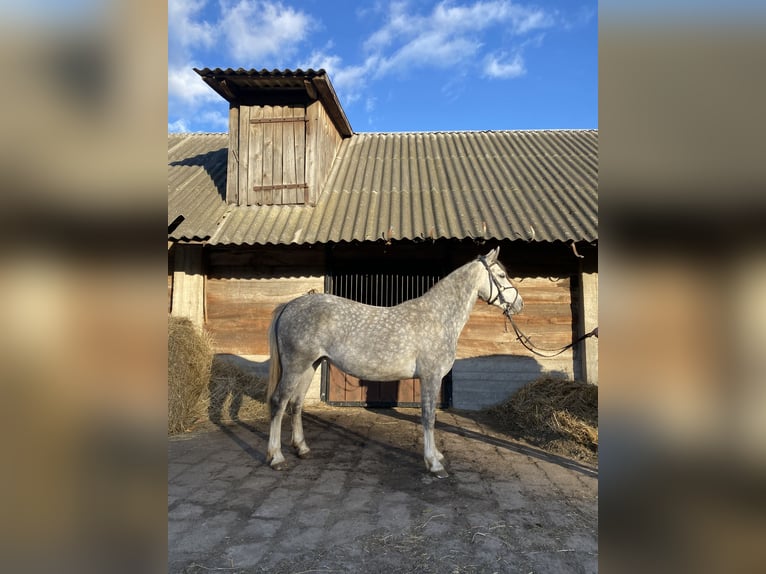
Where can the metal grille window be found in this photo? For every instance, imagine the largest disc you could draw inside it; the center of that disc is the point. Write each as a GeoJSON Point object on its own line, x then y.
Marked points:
{"type": "Point", "coordinates": [381, 289]}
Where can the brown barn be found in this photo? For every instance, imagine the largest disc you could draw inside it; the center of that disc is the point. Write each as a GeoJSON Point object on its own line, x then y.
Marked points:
{"type": "Point", "coordinates": [291, 200]}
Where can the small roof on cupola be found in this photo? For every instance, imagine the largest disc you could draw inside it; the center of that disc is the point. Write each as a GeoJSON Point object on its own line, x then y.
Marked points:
{"type": "Point", "coordinates": [278, 87]}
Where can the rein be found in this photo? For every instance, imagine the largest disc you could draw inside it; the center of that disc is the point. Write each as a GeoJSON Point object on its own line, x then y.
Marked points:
{"type": "Point", "coordinates": [530, 346]}
{"type": "Point", "coordinates": [520, 336]}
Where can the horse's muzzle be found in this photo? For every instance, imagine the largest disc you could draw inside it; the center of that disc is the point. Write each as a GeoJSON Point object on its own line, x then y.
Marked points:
{"type": "Point", "coordinates": [514, 308]}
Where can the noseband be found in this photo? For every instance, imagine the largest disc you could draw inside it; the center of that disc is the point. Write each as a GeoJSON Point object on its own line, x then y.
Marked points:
{"type": "Point", "coordinates": [499, 297]}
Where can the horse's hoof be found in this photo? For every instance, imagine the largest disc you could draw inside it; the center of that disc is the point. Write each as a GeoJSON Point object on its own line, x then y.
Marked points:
{"type": "Point", "coordinates": [441, 473]}
{"type": "Point", "coordinates": [305, 454]}
{"type": "Point", "coordinates": [279, 466]}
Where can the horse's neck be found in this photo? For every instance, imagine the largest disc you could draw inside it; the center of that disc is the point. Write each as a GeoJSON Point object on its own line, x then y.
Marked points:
{"type": "Point", "coordinates": [454, 296]}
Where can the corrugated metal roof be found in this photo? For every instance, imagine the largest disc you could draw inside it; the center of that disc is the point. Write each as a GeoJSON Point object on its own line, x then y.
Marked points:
{"type": "Point", "coordinates": [528, 185]}
{"type": "Point", "coordinates": [196, 183]}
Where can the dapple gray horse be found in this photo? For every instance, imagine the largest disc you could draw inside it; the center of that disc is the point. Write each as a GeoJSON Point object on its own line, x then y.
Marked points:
{"type": "Point", "coordinates": [417, 338]}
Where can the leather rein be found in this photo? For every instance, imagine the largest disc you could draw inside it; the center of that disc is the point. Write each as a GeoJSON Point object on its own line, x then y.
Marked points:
{"type": "Point", "coordinates": [520, 336]}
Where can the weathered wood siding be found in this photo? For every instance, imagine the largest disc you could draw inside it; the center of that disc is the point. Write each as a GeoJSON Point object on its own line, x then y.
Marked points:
{"type": "Point", "coordinates": [187, 286]}
{"type": "Point", "coordinates": [322, 142]}
{"type": "Point", "coordinates": [491, 364]}
{"type": "Point", "coordinates": [244, 286]}
{"type": "Point", "coordinates": [279, 154]}
{"type": "Point", "coordinates": [589, 306]}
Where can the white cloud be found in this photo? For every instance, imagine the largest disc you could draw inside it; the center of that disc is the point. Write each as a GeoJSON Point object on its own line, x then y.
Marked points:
{"type": "Point", "coordinates": [178, 126]}
{"type": "Point", "coordinates": [185, 28]}
{"type": "Point", "coordinates": [186, 85]}
{"type": "Point", "coordinates": [498, 66]}
{"type": "Point", "coordinates": [349, 81]}
{"type": "Point", "coordinates": [226, 33]}
{"type": "Point", "coordinates": [450, 35]}
{"type": "Point", "coordinates": [257, 33]}
{"type": "Point", "coordinates": [217, 120]}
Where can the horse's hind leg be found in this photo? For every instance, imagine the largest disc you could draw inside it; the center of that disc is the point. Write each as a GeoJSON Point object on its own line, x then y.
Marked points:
{"type": "Point", "coordinates": [299, 440]}
{"type": "Point", "coordinates": [274, 455]}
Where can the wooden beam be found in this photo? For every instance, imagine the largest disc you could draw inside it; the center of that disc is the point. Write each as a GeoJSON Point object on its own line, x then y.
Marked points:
{"type": "Point", "coordinates": [189, 283]}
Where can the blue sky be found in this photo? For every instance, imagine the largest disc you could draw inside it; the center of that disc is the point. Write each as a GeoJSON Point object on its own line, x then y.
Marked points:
{"type": "Point", "coordinates": [398, 66]}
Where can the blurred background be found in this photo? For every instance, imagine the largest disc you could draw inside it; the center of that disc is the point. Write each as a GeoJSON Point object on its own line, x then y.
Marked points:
{"type": "Point", "coordinates": [83, 342]}
{"type": "Point", "coordinates": [682, 198]}
{"type": "Point", "coordinates": [83, 289]}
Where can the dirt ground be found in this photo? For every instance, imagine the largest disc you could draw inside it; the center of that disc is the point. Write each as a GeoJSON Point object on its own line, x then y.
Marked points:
{"type": "Point", "coordinates": [363, 501]}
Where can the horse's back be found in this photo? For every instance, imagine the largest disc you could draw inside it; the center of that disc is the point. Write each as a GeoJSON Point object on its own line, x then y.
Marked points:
{"type": "Point", "coordinates": [364, 340]}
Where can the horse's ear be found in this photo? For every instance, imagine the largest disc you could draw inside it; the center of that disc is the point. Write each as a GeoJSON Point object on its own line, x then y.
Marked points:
{"type": "Point", "coordinates": [491, 257]}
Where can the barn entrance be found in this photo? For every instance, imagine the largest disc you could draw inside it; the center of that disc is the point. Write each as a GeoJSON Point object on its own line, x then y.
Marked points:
{"type": "Point", "coordinates": [384, 288]}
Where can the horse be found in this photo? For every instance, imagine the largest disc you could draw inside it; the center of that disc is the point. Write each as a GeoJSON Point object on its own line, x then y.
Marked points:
{"type": "Point", "coordinates": [417, 338]}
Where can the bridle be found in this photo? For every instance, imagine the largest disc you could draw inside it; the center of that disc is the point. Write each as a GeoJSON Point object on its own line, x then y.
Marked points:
{"type": "Point", "coordinates": [520, 336]}
{"type": "Point", "coordinates": [500, 289]}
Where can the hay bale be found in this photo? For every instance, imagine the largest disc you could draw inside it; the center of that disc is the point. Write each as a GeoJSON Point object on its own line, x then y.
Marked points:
{"type": "Point", "coordinates": [190, 356]}
{"type": "Point", "coordinates": [559, 414]}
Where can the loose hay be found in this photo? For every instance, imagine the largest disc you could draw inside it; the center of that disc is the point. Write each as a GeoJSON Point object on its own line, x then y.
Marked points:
{"type": "Point", "coordinates": [190, 356]}
{"type": "Point", "coordinates": [557, 414]}
{"type": "Point", "coordinates": [234, 394]}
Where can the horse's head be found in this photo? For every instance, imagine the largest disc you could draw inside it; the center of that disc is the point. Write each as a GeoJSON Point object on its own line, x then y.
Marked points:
{"type": "Point", "coordinates": [496, 288]}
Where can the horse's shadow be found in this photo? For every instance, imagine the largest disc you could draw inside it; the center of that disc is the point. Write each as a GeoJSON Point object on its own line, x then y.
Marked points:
{"type": "Point", "coordinates": [510, 445]}
{"type": "Point", "coordinates": [232, 379]}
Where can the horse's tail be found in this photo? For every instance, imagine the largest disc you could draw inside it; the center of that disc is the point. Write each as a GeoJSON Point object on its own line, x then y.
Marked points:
{"type": "Point", "coordinates": [275, 362]}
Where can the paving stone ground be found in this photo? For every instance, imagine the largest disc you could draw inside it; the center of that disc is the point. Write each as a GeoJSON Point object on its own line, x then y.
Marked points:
{"type": "Point", "coordinates": [364, 502]}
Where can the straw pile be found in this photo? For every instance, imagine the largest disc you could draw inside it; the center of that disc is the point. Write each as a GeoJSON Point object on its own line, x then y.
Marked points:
{"type": "Point", "coordinates": [557, 414]}
{"type": "Point", "coordinates": [190, 355]}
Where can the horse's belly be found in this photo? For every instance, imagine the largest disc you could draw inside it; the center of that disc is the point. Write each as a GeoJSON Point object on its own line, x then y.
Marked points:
{"type": "Point", "coordinates": [376, 368]}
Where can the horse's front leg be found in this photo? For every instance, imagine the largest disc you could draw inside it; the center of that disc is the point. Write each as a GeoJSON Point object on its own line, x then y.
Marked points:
{"type": "Point", "coordinates": [431, 455]}
{"type": "Point", "coordinates": [299, 441]}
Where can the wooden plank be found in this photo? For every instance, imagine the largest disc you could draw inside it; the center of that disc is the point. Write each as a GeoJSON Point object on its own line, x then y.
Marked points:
{"type": "Point", "coordinates": [268, 155]}
{"type": "Point", "coordinates": [546, 318]}
{"type": "Point", "coordinates": [336, 391]}
{"type": "Point", "coordinates": [299, 137]}
{"type": "Point", "coordinates": [232, 170]}
{"type": "Point", "coordinates": [263, 262]}
{"type": "Point", "coordinates": [276, 120]}
{"type": "Point", "coordinates": [256, 158]}
{"type": "Point", "coordinates": [276, 170]}
{"type": "Point", "coordinates": [281, 187]}
{"type": "Point", "coordinates": [289, 194]}
{"type": "Point", "coordinates": [244, 154]}
{"type": "Point", "coordinates": [239, 310]}
{"type": "Point", "coordinates": [311, 150]}
{"type": "Point", "coordinates": [406, 391]}
{"type": "Point", "coordinates": [353, 390]}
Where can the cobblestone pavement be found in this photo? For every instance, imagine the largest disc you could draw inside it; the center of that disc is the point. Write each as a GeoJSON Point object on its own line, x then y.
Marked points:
{"type": "Point", "coordinates": [363, 501]}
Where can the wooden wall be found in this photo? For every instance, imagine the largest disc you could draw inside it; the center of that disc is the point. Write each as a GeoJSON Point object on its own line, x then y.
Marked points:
{"type": "Point", "coordinates": [279, 154]}
{"type": "Point", "coordinates": [245, 284]}
{"type": "Point", "coordinates": [322, 142]}
{"type": "Point", "coordinates": [491, 364]}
